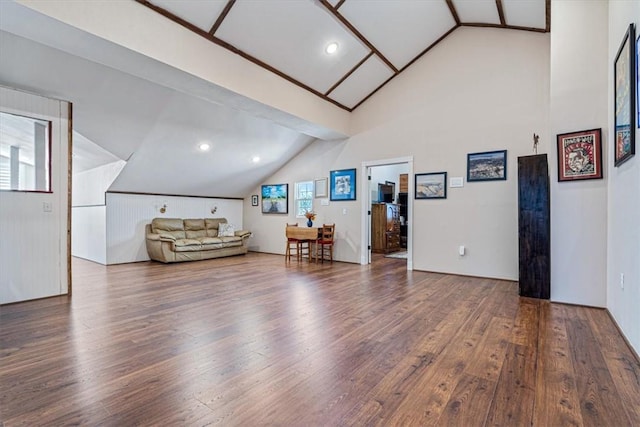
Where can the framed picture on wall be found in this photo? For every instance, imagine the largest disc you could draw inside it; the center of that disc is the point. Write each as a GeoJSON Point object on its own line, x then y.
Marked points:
{"type": "Point", "coordinates": [275, 199]}
{"type": "Point", "coordinates": [638, 81]}
{"type": "Point", "coordinates": [431, 185]}
{"type": "Point", "coordinates": [624, 80]}
{"type": "Point", "coordinates": [487, 166]}
{"type": "Point", "coordinates": [342, 185]}
{"type": "Point", "coordinates": [579, 155]}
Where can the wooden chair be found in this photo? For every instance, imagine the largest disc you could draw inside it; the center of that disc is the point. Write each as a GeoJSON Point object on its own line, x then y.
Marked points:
{"type": "Point", "coordinates": [305, 249]}
{"type": "Point", "coordinates": [324, 245]}
{"type": "Point", "coordinates": [292, 244]}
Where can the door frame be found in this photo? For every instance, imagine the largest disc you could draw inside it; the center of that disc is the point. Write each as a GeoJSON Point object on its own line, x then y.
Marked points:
{"type": "Point", "coordinates": [365, 221]}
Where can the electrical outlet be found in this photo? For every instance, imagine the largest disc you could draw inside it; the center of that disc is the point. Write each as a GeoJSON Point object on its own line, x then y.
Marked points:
{"type": "Point", "coordinates": [621, 280]}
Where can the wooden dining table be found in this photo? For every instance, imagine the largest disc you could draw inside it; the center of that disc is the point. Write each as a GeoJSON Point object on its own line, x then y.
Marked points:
{"type": "Point", "coordinates": [309, 234]}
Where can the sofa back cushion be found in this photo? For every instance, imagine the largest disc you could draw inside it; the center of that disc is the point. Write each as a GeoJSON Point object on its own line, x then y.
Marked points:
{"type": "Point", "coordinates": [194, 228]}
{"type": "Point", "coordinates": [211, 225]}
{"type": "Point", "coordinates": [172, 226]}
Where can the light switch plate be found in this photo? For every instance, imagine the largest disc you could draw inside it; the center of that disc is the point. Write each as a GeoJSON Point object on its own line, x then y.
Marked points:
{"type": "Point", "coordinates": [456, 181]}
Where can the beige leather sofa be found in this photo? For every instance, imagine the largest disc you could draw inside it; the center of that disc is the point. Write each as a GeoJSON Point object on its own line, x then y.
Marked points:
{"type": "Point", "coordinates": [176, 239]}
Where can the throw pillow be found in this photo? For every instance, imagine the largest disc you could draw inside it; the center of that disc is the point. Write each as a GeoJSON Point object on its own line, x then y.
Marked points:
{"type": "Point", "coordinates": [226, 230]}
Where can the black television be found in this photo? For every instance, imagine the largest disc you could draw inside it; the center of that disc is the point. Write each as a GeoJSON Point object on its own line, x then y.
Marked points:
{"type": "Point", "coordinates": [385, 193]}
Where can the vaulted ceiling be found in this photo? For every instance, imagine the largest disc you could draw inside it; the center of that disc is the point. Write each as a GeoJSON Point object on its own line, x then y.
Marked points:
{"type": "Point", "coordinates": [376, 39]}
{"type": "Point", "coordinates": [139, 109]}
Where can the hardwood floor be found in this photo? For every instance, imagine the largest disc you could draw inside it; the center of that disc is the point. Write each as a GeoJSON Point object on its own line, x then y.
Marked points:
{"type": "Point", "coordinates": [251, 340]}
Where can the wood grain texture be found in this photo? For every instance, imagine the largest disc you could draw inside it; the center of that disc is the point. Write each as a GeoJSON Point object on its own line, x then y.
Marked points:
{"type": "Point", "coordinates": [250, 340]}
{"type": "Point", "coordinates": [534, 227]}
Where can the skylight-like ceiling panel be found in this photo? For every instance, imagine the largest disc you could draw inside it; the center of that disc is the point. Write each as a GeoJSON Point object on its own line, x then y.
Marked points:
{"type": "Point", "coordinates": [362, 82]}
{"type": "Point", "coordinates": [291, 36]}
{"type": "Point", "coordinates": [477, 11]}
{"type": "Point", "coordinates": [201, 13]}
{"type": "Point", "coordinates": [525, 13]}
{"type": "Point", "coordinates": [399, 33]}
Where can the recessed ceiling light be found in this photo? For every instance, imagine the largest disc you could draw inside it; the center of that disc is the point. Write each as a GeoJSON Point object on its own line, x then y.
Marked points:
{"type": "Point", "coordinates": [204, 146]}
{"type": "Point", "coordinates": [255, 159]}
{"type": "Point", "coordinates": [331, 48]}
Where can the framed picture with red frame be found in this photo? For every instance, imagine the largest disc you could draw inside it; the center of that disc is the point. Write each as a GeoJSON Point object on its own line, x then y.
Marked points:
{"type": "Point", "coordinates": [580, 155]}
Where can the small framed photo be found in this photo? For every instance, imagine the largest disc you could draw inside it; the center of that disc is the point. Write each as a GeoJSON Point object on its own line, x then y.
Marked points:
{"type": "Point", "coordinates": [431, 185]}
{"type": "Point", "coordinates": [320, 189]}
{"type": "Point", "coordinates": [275, 199]}
{"type": "Point", "coordinates": [580, 155]}
{"type": "Point", "coordinates": [487, 166]}
{"type": "Point", "coordinates": [342, 185]}
{"type": "Point", "coordinates": [624, 79]}
{"type": "Point", "coordinates": [254, 200]}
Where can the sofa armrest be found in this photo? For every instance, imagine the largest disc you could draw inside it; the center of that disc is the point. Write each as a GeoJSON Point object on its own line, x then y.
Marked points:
{"type": "Point", "coordinates": [163, 237]}
{"type": "Point", "coordinates": [243, 233]}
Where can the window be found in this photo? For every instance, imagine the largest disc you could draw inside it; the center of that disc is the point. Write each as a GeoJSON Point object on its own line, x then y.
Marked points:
{"type": "Point", "coordinates": [25, 153]}
{"type": "Point", "coordinates": [304, 197]}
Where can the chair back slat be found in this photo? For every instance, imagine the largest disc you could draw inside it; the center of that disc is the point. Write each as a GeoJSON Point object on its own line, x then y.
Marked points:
{"type": "Point", "coordinates": [328, 231]}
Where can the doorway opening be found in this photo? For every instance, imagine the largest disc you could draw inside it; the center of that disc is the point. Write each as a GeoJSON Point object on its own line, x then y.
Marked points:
{"type": "Point", "coordinates": [387, 210]}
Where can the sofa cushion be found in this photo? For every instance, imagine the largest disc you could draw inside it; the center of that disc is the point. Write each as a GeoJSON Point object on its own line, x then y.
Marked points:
{"type": "Point", "coordinates": [210, 240]}
{"type": "Point", "coordinates": [193, 224]}
{"type": "Point", "coordinates": [229, 242]}
{"type": "Point", "coordinates": [196, 234]}
{"type": "Point", "coordinates": [187, 245]}
{"type": "Point", "coordinates": [210, 243]}
{"type": "Point", "coordinates": [211, 225]}
{"type": "Point", "coordinates": [171, 226]}
{"type": "Point", "coordinates": [226, 230]}
{"type": "Point", "coordinates": [194, 228]}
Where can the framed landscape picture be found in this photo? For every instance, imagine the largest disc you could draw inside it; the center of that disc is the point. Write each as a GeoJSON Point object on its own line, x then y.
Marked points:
{"type": "Point", "coordinates": [342, 184]}
{"type": "Point", "coordinates": [275, 199]}
{"type": "Point", "coordinates": [624, 80]}
{"type": "Point", "coordinates": [431, 185]}
{"type": "Point", "coordinates": [487, 166]}
{"type": "Point", "coordinates": [580, 155]}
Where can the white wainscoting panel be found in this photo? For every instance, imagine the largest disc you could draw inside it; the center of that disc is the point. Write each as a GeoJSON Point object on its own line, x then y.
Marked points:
{"type": "Point", "coordinates": [89, 237]}
{"type": "Point", "coordinates": [127, 215]}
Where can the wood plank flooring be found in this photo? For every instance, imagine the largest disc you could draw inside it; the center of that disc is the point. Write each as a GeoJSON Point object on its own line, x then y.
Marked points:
{"type": "Point", "coordinates": [252, 340]}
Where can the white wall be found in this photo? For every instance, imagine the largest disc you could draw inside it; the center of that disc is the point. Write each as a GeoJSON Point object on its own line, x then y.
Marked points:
{"type": "Point", "coordinates": [127, 215]}
{"type": "Point", "coordinates": [89, 237]}
{"type": "Point", "coordinates": [466, 95]}
{"type": "Point", "coordinates": [480, 89]}
{"type": "Point", "coordinates": [33, 247]}
{"type": "Point", "coordinates": [623, 222]}
{"type": "Point", "coordinates": [88, 213]}
{"type": "Point", "coordinates": [579, 101]}
{"type": "Point", "coordinates": [314, 162]}
{"type": "Point", "coordinates": [90, 186]}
